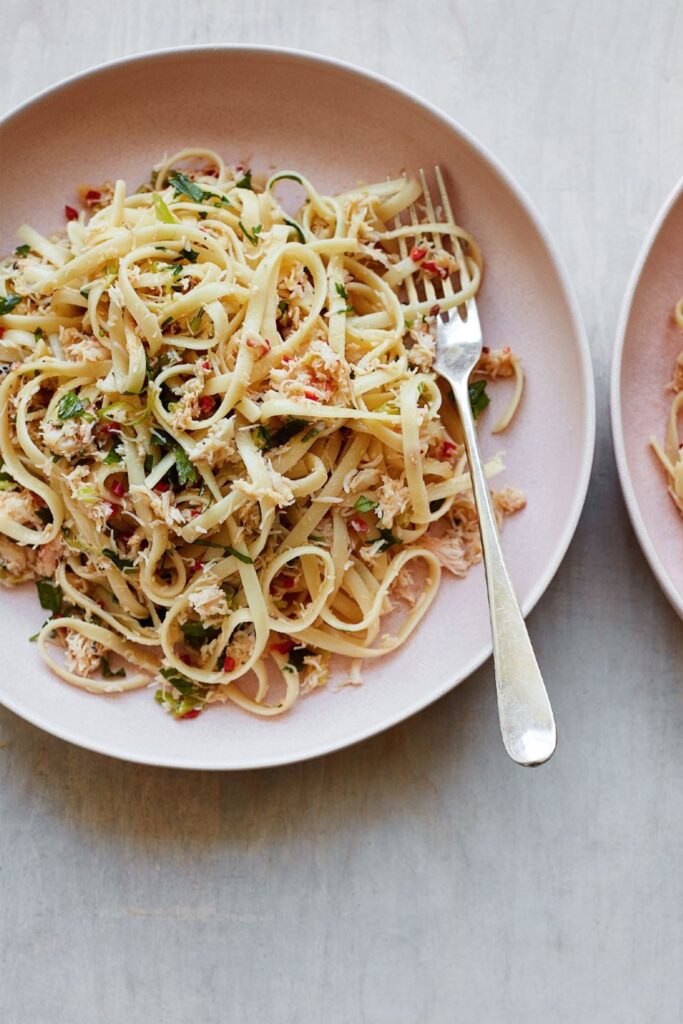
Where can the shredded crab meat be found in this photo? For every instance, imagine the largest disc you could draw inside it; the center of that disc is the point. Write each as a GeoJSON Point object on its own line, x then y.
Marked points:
{"type": "Point", "coordinates": [71, 439]}
{"type": "Point", "coordinates": [278, 488]}
{"type": "Point", "coordinates": [393, 496]}
{"type": "Point", "coordinates": [209, 602]}
{"type": "Point", "coordinates": [319, 374]}
{"type": "Point", "coordinates": [80, 347]}
{"type": "Point", "coordinates": [83, 655]}
{"type": "Point", "coordinates": [218, 446]}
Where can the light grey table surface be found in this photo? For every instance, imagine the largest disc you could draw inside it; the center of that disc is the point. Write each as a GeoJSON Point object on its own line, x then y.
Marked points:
{"type": "Point", "coordinates": [419, 878]}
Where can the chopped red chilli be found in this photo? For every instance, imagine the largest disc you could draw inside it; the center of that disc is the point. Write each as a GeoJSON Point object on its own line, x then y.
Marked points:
{"type": "Point", "coordinates": [70, 213]}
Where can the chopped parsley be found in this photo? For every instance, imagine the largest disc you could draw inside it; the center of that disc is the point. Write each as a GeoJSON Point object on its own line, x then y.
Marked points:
{"type": "Point", "coordinates": [297, 655]}
{"type": "Point", "coordinates": [341, 291]}
{"type": "Point", "coordinates": [22, 250]}
{"type": "Point", "coordinates": [238, 554]}
{"type": "Point", "coordinates": [124, 564]}
{"type": "Point", "coordinates": [188, 254]}
{"type": "Point", "coordinates": [196, 633]}
{"type": "Point", "coordinates": [50, 596]}
{"type": "Point", "coordinates": [71, 407]}
{"type": "Point", "coordinates": [253, 234]}
{"type": "Point", "coordinates": [295, 227]}
{"type": "Point", "coordinates": [108, 672]}
{"type": "Point", "coordinates": [184, 186]}
{"type": "Point", "coordinates": [365, 504]}
{"type": "Point", "coordinates": [192, 697]}
{"type": "Point", "coordinates": [8, 302]}
{"type": "Point", "coordinates": [113, 456]}
{"type": "Point", "coordinates": [388, 539]}
{"type": "Point", "coordinates": [245, 181]}
{"type": "Point", "coordinates": [185, 470]}
{"type": "Point", "coordinates": [265, 440]}
{"type": "Point", "coordinates": [478, 397]}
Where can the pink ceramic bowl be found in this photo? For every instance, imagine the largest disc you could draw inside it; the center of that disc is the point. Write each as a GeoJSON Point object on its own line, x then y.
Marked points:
{"type": "Point", "coordinates": [273, 108]}
{"type": "Point", "coordinates": [648, 342]}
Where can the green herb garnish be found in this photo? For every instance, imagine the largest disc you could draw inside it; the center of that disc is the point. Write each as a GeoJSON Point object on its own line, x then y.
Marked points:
{"type": "Point", "coordinates": [388, 539]}
{"type": "Point", "coordinates": [251, 235]}
{"type": "Point", "coordinates": [124, 564]}
{"type": "Point", "coordinates": [297, 655]}
{"type": "Point", "coordinates": [22, 250]}
{"type": "Point", "coordinates": [189, 254]}
{"type": "Point", "coordinates": [245, 181]}
{"type": "Point", "coordinates": [8, 302]}
{"type": "Point", "coordinates": [186, 187]}
{"type": "Point", "coordinates": [71, 407]}
{"type": "Point", "coordinates": [50, 596]}
{"type": "Point", "coordinates": [478, 397]}
{"type": "Point", "coordinates": [365, 504]}
{"type": "Point", "coordinates": [113, 456]}
{"type": "Point", "coordinates": [108, 672]}
{"type": "Point", "coordinates": [162, 211]}
{"type": "Point", "coordinates": [196, 634]}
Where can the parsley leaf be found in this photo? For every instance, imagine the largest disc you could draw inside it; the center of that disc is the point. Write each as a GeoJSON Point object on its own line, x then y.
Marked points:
{"type": "Point", "coordinates": [188, 254]}
{"type": "Point", "coordinates": [192, 696]}
{"type": "Point", "coordinates": [196, 633]}
{"type": "Point", "coordinates": [187, 474]}
{"type": "Point", "coordinates": [108, 672]}
{"type": "Point", "coordinates": [238, 554]}
{"type": "Point", "coordinates": [8, 302]}
{"type": "Point", "coordinates": [113, 456]}
{"type": "Point", "coordinates": [297, 655]}
{"type": "Point", "coordinates": [50, 596]}
{"type": "Point", "coordinates": [22, 250]}
{"type": "Point", "coordinates": [124, 564]}
{"type": "Point", "coordinates": [478, 397]}
{"type": "Point", "coordinates": [245, 181]}
{"type": "Point", "coordinates": [186, 187]}
{"type": "Point", "coordinates": [341, 291]}
{"type": "Point", "coordinates": [265, 440]}
{"type": "Point", "coordinates": [71, 407]}
{"type": "Point", "coordinates": [251, 235]}
{"type": "Point", "coordinates": [365, 504]}
{"type": "Point", "coordinates": [388, 538]}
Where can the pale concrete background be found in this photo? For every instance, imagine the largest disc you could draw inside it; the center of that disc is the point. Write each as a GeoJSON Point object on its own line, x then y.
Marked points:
{"type": "Point", "coordinates": [419, 878]}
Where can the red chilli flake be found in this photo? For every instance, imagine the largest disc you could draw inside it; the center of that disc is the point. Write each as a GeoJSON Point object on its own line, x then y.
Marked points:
{"type": "Point", "coordinates": [92, 196]}
{"type": "Point", "coordinates": [312, 396]}
{"type": "Point", "coordinates": [118, 488]}
{"type": "Point", "coordinates": [191, 714]}
{"type": "Point", "coordinates": [417, 253]}
{"type": "Point", "coordinates": [283, 646]}
{"type": "Point", "coordinates": [197, 566]}
{"type": "Point", "coordinates": [228, 663]}
{"type": "Point", "coordinates": [207, 404]}
{"type": "Point", "coordinates": [70, 213]}
{"type": "Point", "coordinates": [433, 268]}
{"type": "Point", "coordinates": [359, 525]}
{"type": "Point", "coordinates": [162, 486]}
{"type": "Point", "coordinates": [445, 450]}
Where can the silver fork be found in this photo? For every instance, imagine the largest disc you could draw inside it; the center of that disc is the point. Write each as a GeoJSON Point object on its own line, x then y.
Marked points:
{"type": "Point", "coordinates": [526, 719]}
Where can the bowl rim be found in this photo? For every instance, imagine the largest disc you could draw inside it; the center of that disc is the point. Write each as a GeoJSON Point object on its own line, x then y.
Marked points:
{"type": "Point", "coordinates": [585, 370]}
{"type": "Point", "coordinates": [617, 422]}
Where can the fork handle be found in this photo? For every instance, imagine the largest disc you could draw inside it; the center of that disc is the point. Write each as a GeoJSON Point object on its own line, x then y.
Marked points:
{"type": "Point", "coordinates": [526, 718]}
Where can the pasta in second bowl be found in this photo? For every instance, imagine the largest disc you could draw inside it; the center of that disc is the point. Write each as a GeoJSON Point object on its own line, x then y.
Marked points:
{"type": "Point", "coordinates": [226, 457]}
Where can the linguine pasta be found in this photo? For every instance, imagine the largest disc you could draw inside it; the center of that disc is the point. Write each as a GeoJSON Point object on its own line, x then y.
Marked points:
{"type": "Point", "coordinates": [670, 455]}
{"type": "Point", "coordinates": [226, 457]}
